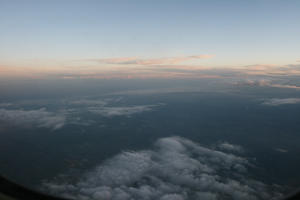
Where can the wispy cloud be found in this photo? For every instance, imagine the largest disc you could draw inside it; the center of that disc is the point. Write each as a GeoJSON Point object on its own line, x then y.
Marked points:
{"type": "Point", "coordinates": [104, 108]}
{"type": "Point", "coordinates": [5, 105]}
{"type": "Point", "coordinates": [225, 146]}
{"type": "Point", "coordinates": [271, 70]}
{"type": "Point", "coordinates": [158, 91]}
{"type": "Point", "coordinates": [285, 86]}
{"type": "Point", "coordinates": [121, 111]}
{"type": "Point", "coordinates": [32, 118]}
{"type": "Point", "coordinates": [171, 68]}
{"type": "Point", "coordinates": [155, 61]}
{"type": "Point", "coordinates": [175, 169]}
{"type": "Point", "coordinates": [278, 102]}
{"type": "Point", "coordinates": [12, 115]}
{"type": "Point", "coordinates": [121, 60]}
{"type": "Point", "coordinates": [281, 150]}
{"type": "Point", "coordinates": [267, 83]}
{"type": "Point", "coordinates": [88, 102]}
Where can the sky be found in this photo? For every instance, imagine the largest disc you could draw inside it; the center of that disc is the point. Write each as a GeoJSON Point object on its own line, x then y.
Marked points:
{"type": "Point", "coordinates": [104, 38]}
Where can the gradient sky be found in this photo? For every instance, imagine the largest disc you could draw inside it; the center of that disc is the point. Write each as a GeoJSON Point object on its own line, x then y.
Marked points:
{"type": "Point", "coordinates": [234, 32]}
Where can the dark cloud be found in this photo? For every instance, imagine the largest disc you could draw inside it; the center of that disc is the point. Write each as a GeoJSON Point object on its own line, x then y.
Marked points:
{"type": "Point", "coordinates": [175, 169]}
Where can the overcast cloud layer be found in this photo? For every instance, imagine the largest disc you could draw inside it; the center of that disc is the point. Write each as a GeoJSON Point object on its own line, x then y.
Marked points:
{"type": "Point", "coordinates": [175, 169]}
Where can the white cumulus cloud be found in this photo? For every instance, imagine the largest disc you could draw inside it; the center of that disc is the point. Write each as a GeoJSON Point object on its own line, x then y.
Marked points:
{"type": "Point", "coordinates": [175, 169]}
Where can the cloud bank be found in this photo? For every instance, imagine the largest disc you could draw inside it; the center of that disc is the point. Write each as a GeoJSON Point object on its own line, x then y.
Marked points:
{"type": "Point", "coordinates": [278, 102]}
{"type": "Point", "coordinates": [32, 118]}
{"type": "Point", "coordinates": [175, 169]}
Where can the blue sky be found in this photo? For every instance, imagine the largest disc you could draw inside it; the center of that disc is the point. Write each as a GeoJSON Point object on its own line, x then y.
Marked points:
{"type": "Point", "coordinates": [237, 32]}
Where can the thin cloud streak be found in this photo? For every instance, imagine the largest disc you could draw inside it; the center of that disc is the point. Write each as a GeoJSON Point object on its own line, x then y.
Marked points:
{"type": "Point", "coordinates": [157, 61]}
{"type": "Point", "coordinates": [121, 111]}
{"type": "Point", "coordinates": [271, 70]}
{"type": "Point", "coordinates": [283, 101]}
{"type": "Point", "coordinates": [268, 83]}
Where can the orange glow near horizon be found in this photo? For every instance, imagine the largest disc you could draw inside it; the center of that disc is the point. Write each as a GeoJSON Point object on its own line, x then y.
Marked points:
{"type": "Point", "coordinates": [133, 68]}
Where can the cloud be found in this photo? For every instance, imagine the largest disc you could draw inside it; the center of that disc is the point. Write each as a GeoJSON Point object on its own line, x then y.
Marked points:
{"type": "Point", "coordinates": [278, 102]}
{"type": "Point", "coordinates": [121, 111]}
{"type": "Point", "coordinates": [71, 114]}
{"type": "Point", "coordinates": [267, 83]}
{"type": "Point", "coordinates": [30, 118]}
{"type": "Point", "coordinates": [260, 82]}
{"type": "Point", "coordinates": [88, 102]}
{"type": "Point", "coordinates": [281, 150]}
{"type": "Point", "coordinates": [175, 169]}
{"type": "Point", "coordinates": [104, 107]}
{"type": "Point", "coordinates": [271, 70]}
{"type": "Point", "coordinates": [5, 104]}
{"type": "Point", "coordinates": [173, 68]}
{"type": "Point", "coordinates": [141, 68]}
{"type": "Point", "coordinates": [157, 61]}
{"type": "Point", "coordinates": [158, 91]}
{"type": "Point", "coordinates": [285, 86]}
{"type": "Point", "coordinates": [115, 60]}
{"type": "Point", "coordinates": [230, 147]}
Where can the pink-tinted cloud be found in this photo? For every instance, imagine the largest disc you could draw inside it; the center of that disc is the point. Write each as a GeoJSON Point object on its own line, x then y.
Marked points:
{"type": "Point", "coordinates": [116, 60]}
{"type": "Point", "coordinates": [155, 61]}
